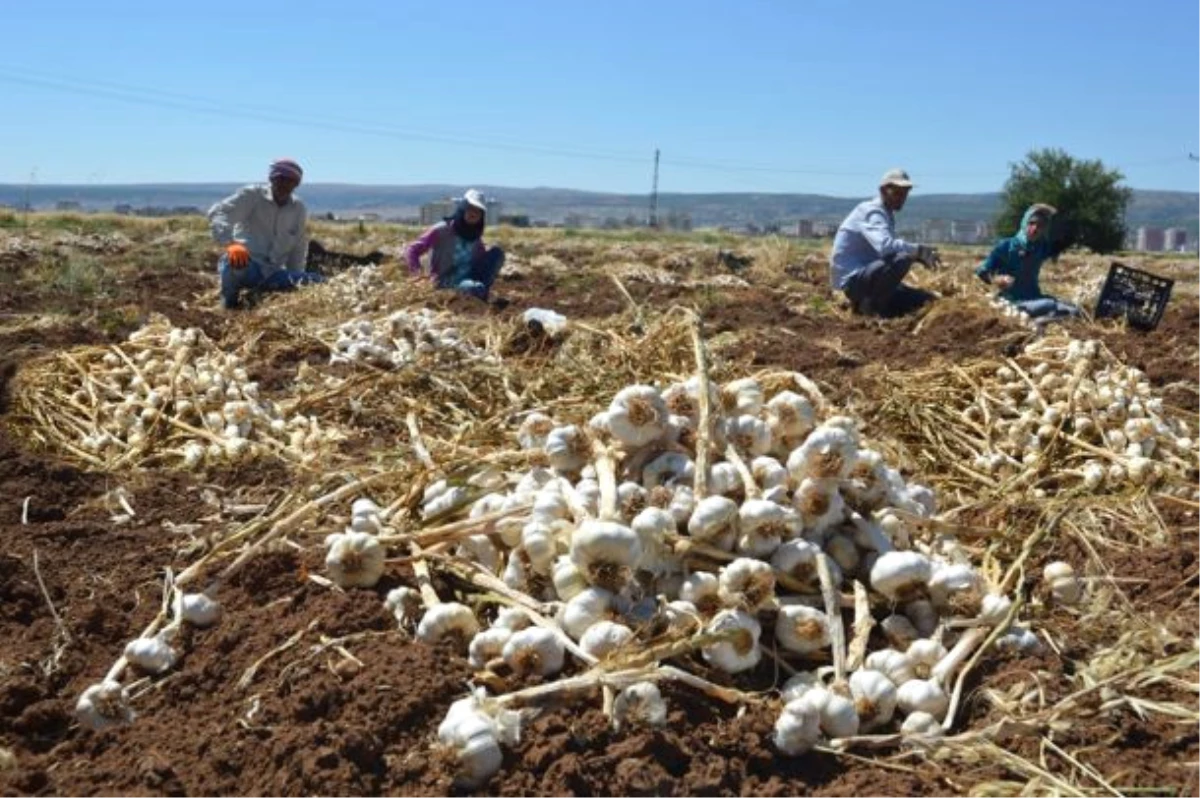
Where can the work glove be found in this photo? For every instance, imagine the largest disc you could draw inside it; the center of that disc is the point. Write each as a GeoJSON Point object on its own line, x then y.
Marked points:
{"type": "Point", "coordinates": [238, 255]}
{"type": "Point", "coordinates": [928, 256]}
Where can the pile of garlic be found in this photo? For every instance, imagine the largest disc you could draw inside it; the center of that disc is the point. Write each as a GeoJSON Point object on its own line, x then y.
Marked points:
{"type": "Point", "coordinates": [792, 497]}
{"type": "Point", "coordinates": [1114, 410]}
{"type": "Point", "coordinates": [360, 288]}
{"type": "Point", "coordinates": [399, 339]}
{"type": "Point", "coordinates": [1011, 311]}
{"type": "Point", "coordinates": [175, 382]}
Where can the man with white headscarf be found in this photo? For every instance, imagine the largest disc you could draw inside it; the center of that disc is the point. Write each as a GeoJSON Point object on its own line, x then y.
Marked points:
{"type": "Point", "coordinates": [262, 228]}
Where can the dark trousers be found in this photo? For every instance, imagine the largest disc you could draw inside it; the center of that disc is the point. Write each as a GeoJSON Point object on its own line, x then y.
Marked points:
{"type": "Point", "coordinates": [483, 273]}
{"type": "Point", "coordinates": [878, 289]}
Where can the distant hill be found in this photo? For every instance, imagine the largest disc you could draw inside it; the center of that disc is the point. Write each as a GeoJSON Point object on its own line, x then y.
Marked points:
{"type": "Point", "coordinates": [1158, 208]}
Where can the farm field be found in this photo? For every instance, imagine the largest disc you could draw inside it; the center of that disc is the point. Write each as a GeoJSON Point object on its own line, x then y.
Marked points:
{"type": "Point", "coordinates": [307, 686]}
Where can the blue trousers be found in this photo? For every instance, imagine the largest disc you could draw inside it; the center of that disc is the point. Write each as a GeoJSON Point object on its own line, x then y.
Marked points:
{"type": "Point", "coordinates": [484, 272]}
{"type": "Point", "coordinates": [878, 289]}
{"type": "Point", "coordinates": [1047, 307]}
{"type": "Point", "coordinates": [251, 278]}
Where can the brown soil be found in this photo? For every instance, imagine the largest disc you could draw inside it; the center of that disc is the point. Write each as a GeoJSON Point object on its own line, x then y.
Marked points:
{"type": "Point", "coordinates": [311, 722]}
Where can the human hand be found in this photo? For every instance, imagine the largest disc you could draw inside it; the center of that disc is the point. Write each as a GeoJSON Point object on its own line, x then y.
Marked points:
{"type": "Point", "coordinates": [238, 255]}
{"type": "Point", "coordinates": [1002, 281]}
{"type": "Point", "coordinates": [929, 256]}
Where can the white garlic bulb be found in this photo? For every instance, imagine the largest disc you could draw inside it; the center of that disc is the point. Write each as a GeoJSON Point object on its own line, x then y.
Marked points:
{"type": "Point", "coordinates": [827, 453]}
{"type": "Point", "coordinates": [667, 469]}
{"type": "Point", "coordinates": [899, 631]}
{"type": "Point", "coordinates": [891, 663]}
{"type": "Point", "coordinates": [487, 645]}
{"type": "Point", "coordinates": [921, 724]}
{"type": "Point", "coordinates": [568, 580]}
{"type": "Point", "coordinates": [748, 434]}
{"type": "Point", "coordinates": [534, 430]}
{"type": "Point", "coordinates": [534, 650]}
{"type": "Point", "coordinates": [954, 585]}
{"type": "Point", "coordinates": [104, 704]}
{"type": "Point", "coordinates": [790, 414]}
{"type": "Point", "coordinates": [355, 559]}
{"type": "Point", "coordinates": [198, 609]}
{"type": "Point", "coordinates": [714, 521]}
{"type": "Point", "coordinates": [901, 575]}
{"type": "Point", "coordinates": [604, 638]}
{"type": "Point", "coordinates": [724, 479]}
{"type": "Point", "coordinates": [763, 525]}
{"type": "Point", "coordinates": [637, 416]}
{"type": "Point", "coordinates": [820, 505]}
{"type": "Point", "coordinates": [874, 697]}
{"type": "Point", "coordinates": [151, 654]}
{"type": "Point", "coordinates": [653, 526]}
{"type": "Point", "coordinates": [472, 737]}
{"type": "Point", "coordinates": [921, 695]}
{"type": "Point", "coordinates": [739, 651]}
{"type": "Point", "coordinates": [994, 608]}
{"type": "Point", "coordinates": [746, 583]}
{"type": "Point", "coordinates": [606, 553]}
{"type": "Point", "coordinates": [768, 473]}
{"type": "Point", "coordinates": [836, 711]}
{"type": "Point", "coordinates": [798, 728]}
{"type": "Point", "coordinates": [586, 608]}
{"type": "Point", "coordinates": [568, 448]}
{"type": "Point", "coordinates": [923, 655]}
{"type": "Point", "coordinates": [405, 604]}
{"type": "Point", "coordinates": [1064, 586]}
{"type": "Point", "coordinates": [743, 396]}
{"type": "Point", "coordinates": [703, 591]}
{"type": "Point", "coordinates": [447, 620]}
{"type": "Point", "coordinates": [802, 629]}
{"type": "Point", "coordinates": [640, 704]}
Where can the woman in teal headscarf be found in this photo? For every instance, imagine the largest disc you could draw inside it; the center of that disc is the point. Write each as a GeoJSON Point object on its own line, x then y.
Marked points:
{"type": "Point", "coordinates": [1016, 263]}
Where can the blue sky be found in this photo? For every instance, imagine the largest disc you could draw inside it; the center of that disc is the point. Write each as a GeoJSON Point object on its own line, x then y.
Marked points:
{"type": "Point", "coordinates": [757, 95]}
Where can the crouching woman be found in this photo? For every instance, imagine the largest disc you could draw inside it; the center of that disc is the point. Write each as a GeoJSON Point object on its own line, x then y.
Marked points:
{"type": "Point", "coordinates": [1015, 265]}
{"type": "Point", "coordinates": [458, 257]}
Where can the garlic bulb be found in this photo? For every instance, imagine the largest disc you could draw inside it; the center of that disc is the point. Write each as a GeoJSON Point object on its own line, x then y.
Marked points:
{"type": "Point", "coordinates": [798, 728]}
{"type": "Point", "coordinates": [790, 414]}
{"type": "Point", "coordinates": [568, 580]}
{"type": "Point", "coordinates": [802, 629]}
{"type": "Point", "coordinates": [768, 472]}
{"type": "Point", "coordinates": [920, 695]}
{"type": "Point", "coordinates": [827, 453]}
{"type": "Point", "coordinates": [404, 603]}
{"type": "Point", "coordinates": [104, 704]}
{"type": "Point", "coordinates": [568, 448]}
{"type": "Point", "coordinates": [444, 501]}
{"type": "Point", "coordinates": [667, 469]}
{"type": "Point", "coordinates": [540, 545]}
{"type": "Point", "coordinates": [198, 609]}
{"type": "Point", "coordinates": [652, 527]}
{"type": "Point", "coordinates": [584, 609]}
{"type": "Point", "coordinates": [901, 575]}
{"type": "Point", "coordinates": [534, 650]}
{"type": "Point", "coordinates": [923, 655]}
{"type": "Point", "coordinates": [798, 559]}
{"type": "Point", "coordinates": [1063, 584]}
{"type": "Point", "coordinates": [355, 559]}
{"type": "Point", "coordinates": [955, 586]}
{"type": "Point", "coordinates": [724, 479]}
{"type": "Point", "coordinates": [445, 620]}
{"type": "Point", "coordinates": [604, 638]}
{"type": "Point", "coordinates": [744, 396]}
{"type": "Point", "coordinates": [480, 549]}
{"type": "Point", "coordinates": [534, 430]}
{"type": "Point", "coordinates": [763, 525]}
{"type": "Point", "coordinates": [637, 416]}
{"type": "Point", "coordinates": [749, 434]}
{"type": "Point", "coordinates": [921, 724]}
{"type": "Point", "coordinates": [994, 608]}
{"type": "Point", "coordinates": [837, 715]}
{"type": "Point", "coordinates": [639, 704]}
{"type": "Point", "coordinates": [842, 551]}
{"type": "Point", "coordinates": [487, 645]}
{"type": "Point", "coordinates": [512, 618]}
{"type": "Point", "coordinates": [632, 498]}
{"type": "Point", "coordinates": [739, 651]}
{"type": "Point", "coordinates": [151, 654]}
{"type": "Point", "coordinates": [820, 505]}
{"type": "Point", "coordinates": [473, 738]}
{"type": "Point", "coordinates": [747, 584]}
{"type": "Point", "coordinates": [891, 663]}
{"type": "Point", "coordinates": [703, 591]}
{"type": "Point", "coordinates": [874, 697]}
{"type": "Point", "coordinates": [1019, 639]}
{"type": "Point", "coordinates": [714, 521]}
{"type": "Point", "coordinates": [606, 553]}
{"type": "Point", "coordinates": [1093, 475]}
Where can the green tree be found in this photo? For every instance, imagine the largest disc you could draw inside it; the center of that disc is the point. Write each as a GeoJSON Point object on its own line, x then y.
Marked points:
{"type": "Point", "coordinates": [1090, 199]}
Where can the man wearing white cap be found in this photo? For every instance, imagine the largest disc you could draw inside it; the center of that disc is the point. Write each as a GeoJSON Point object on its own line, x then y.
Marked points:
{"type": "Point", "coordinates": [458, 258]}
{"type": "Point", "coordinates": [869, 263]}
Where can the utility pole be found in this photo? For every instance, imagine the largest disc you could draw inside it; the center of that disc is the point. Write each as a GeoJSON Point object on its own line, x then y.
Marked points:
{"type": "Point", "coordinates": [653, 223]}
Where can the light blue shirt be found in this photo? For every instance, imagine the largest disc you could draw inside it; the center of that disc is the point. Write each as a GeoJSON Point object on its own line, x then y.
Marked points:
{"type": "Point", "coordinates": [868, 234]}
{"type": "Point", "coordinates": [274, 234]}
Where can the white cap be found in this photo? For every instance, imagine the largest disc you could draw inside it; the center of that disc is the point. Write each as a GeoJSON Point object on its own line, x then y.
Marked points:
{"type": "Point", "coordinates": [895, 177]}
{"type": "Point", "coordinates": [474, 196]}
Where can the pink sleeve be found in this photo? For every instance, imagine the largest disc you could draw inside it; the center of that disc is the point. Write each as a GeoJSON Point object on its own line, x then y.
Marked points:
{"type": "Point", "coordinates": [418, 248]}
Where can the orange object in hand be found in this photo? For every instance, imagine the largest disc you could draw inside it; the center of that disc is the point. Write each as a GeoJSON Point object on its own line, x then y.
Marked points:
{"type": "Point", "coordinates": [239, 256]}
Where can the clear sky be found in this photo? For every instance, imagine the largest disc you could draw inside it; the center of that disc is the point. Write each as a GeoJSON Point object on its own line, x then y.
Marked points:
{"type": "Point", "coordinates": [755, 95]}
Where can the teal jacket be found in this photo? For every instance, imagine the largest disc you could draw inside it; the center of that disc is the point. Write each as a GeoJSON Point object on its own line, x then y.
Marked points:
{"type": "Point", "coordinates": [1021, 259]}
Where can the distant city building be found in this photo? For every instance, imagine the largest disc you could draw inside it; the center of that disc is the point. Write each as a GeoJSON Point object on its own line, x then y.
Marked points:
{"type": "Point", "coordinates": [804, 228]}
{"type": "Point", "coordinates": [434, 212]}
{"type": "Point", "coordinates": [1175, 239]}
{"type": "Point", "coordinates": [1150, 239]}
{"type": "Point", "coordinates": [936, 231]}
{"type": "Point", "coordinates": [824, 229]}
{"type": "Point", "coordinates": [970, 232]}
